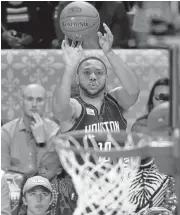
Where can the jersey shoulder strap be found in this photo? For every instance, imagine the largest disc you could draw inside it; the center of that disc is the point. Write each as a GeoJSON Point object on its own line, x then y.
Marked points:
{"type": "Point", "coordinates": [79, 119]}
{"type": "Point", "coordinates": [113, 100]}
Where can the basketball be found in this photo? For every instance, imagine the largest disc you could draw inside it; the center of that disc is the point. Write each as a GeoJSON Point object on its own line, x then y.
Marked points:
{"type": "Point", "coordinates": [79, 18]}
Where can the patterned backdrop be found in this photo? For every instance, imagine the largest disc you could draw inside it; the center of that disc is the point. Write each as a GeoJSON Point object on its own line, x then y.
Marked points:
{"type": "Point", "coordinates": [22, 67]}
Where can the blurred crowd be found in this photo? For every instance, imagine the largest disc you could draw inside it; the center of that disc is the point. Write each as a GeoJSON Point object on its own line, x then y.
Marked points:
{"type": "Point", "coordinates": [31, 24]}
{"type": "Point", "coordinates": [27, 24]}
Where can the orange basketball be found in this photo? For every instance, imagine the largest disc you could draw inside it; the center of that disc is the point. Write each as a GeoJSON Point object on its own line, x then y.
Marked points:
{"type": "Point", "coordinates": [79, 18]}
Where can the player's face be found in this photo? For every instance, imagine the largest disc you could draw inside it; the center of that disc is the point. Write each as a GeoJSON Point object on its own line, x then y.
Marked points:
{"type": "Point", "coordinates": [160, 90]}
{"type": "Point", "coordinates": [34, 101]}
{"type": "Point", "coordinates": [37, 200]}
{"type": "Point", "coordinates": [92, 77]}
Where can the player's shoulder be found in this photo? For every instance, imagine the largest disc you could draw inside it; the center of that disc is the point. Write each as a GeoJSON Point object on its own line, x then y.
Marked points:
{"type": "Point", "coordinates": [75, 101]}
{"type": "Point", "coordinates": [108, 94]}
{"type": "Point", "coordinates": [110, 97]}
{"type": "Point", "coordinates": [76, 105]}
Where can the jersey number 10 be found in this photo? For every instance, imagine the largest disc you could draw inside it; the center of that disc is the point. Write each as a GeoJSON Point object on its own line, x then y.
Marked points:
{"type": "Point", "coordinates": [104, 147]}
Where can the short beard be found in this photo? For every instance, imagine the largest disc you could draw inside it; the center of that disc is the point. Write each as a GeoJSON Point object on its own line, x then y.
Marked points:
{"type": "Point", "coordinates": [89, 94]}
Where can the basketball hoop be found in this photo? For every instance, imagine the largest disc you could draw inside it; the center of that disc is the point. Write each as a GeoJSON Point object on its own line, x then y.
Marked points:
{"type": "Point", "coordinates": [102, 173]}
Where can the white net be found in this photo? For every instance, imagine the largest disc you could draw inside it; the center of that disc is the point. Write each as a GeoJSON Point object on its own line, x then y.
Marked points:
{"type": "Point", "coordinates": [102, 184]}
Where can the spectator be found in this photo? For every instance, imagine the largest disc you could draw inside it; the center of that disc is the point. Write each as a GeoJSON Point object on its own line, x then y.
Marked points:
{"type": "Point", "coordinates": [111, 13]}
{"type": "Point", "coordinates": [155, 18]}
{"type": "Point", "coordinates": [159, 93]}
{"type": "Point", "coordinates": [151, 187]}
{"type": "Point", "coordinates": [46, 19]}
{"type": "Point", "coordinates": [27, 24]}
{"type": "Point", "coordinates": [5, 197]}
{"type": "Point", "coordinates": [37, 195]}
{"type": "Point", "coordinates": [24, 140]}
{"type": "Point", "coordinates": [64, 197]}
{"type": "Point", "coordinates": [63, 190]}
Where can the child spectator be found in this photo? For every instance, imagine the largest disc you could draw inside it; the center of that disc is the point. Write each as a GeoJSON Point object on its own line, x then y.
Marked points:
{"type": "Point", "coordinates": [64, 196]}
{"type": "Point", "coordinates": [63, 191]}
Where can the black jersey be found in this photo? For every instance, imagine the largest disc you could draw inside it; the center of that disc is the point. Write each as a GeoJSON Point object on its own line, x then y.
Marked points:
{"type": "Point", "coordinates": [109, 119]}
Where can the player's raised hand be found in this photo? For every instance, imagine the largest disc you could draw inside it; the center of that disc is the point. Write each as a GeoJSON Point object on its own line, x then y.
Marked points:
{"type": "Point", "coordinates": [72, 53]}
{"type": "Point", "coordinates": [106, 40]}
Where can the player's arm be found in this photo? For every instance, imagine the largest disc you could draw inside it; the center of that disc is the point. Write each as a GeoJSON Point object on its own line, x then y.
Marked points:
{"type": "Point", "coordinates": [64, 107]}
{"type": "Point", "coordinates": [128, 93]}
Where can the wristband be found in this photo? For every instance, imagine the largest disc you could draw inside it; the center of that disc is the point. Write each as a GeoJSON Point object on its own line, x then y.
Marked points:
{"type": "Point", "coordinates": [42, 144]}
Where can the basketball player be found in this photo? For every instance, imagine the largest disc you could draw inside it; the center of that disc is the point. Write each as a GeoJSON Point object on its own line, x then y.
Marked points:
{"type": "Point", "coordinates": [93, 109]}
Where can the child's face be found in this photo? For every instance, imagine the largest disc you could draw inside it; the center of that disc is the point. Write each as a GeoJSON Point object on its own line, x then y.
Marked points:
{"type": "Point", "coordinates": [49, 169]}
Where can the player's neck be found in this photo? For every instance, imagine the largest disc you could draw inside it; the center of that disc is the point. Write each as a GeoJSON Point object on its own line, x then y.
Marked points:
{"type": "Point", "coordinates": [95, 101]}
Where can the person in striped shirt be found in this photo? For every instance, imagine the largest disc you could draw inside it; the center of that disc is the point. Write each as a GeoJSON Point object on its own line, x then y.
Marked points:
{"type": "Point", "coordinates": [152, 188]}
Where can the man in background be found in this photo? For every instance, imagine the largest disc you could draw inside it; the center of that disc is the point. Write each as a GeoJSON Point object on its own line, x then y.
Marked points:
{"type": "Point", "coordinates": [24, 140]}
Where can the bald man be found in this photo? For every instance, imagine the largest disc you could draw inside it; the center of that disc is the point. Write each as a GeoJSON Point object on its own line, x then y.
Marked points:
{"type": "Point", "coordinates": [24, 140]}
